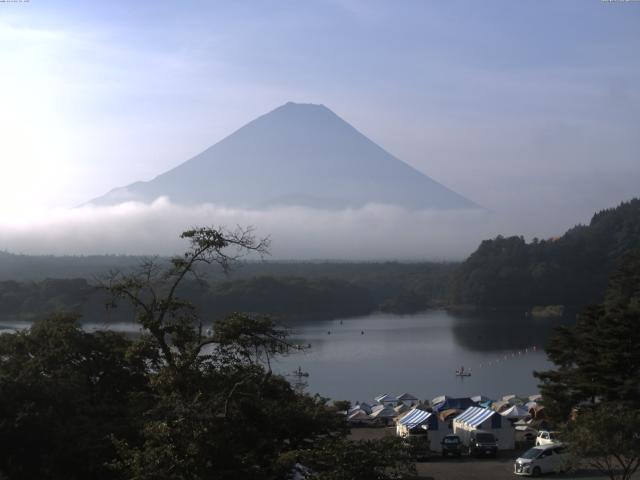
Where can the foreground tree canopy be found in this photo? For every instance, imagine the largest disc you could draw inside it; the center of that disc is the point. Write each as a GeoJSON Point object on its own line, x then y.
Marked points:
{"type": "Point", "coordinates": [598, 358]}
{"type": "Point", "coordinates": [186, 399]}
{"type": "Point", "coordinates": [595, 389]}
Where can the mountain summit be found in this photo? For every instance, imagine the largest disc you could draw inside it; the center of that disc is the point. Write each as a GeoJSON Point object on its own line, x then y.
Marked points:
{"type": "Point", "coordinates": [297, 154]}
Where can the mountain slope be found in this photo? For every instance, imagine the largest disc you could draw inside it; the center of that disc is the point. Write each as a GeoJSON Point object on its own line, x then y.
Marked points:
{"type": "Point", "coordinates": [298, 154]}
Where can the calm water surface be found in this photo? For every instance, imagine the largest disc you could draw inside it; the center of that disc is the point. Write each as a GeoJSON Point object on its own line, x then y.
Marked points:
{"type": "Point", "coordinates": [359, 358]}
{"type": "Point", "coordinates": [420, 353]}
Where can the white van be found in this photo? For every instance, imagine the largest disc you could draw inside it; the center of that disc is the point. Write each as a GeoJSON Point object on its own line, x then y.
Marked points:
{"type": "Point", "coordinates": [542, 459]}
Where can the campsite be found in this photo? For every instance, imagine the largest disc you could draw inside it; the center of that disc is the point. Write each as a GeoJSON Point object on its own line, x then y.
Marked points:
{"type": "Point", "coordinates": [507, 418]}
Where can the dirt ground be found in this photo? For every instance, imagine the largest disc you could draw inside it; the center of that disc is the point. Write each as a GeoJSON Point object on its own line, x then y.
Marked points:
{"type": "Point", "coordinates": [467, 468]}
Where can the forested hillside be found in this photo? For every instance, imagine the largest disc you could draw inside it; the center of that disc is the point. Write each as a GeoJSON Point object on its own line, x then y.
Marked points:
{"type": "Point", "coordinates": [571, 270]}
{"type": "Point", "coordinates": [286, 298]}
{"type": "Point", "coordinates": [34, 285]}
{"type": "Point", "coordinates": [22, 268]}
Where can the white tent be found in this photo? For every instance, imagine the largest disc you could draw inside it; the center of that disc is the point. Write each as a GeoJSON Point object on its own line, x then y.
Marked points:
{"type": "Point", "coordinates": [515, 412]}
{"type": "Point", "coordinates": [477, 418]}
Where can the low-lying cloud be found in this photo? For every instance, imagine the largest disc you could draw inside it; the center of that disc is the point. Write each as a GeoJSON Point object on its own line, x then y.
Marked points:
{"type": "Point", "coordinates": [373, 232]}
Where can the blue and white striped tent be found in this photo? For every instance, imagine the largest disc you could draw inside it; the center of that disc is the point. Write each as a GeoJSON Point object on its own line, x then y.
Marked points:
{"type": "Point", "coordinates": [474, 416]}
{"type": "Point", "coordinates": [414, 418]}
{"type": "Point", "coordinates": [478, 418]}
{"type": "Point", "coordinates": [421, 422]}
{"type": "Point", "coordinates": [414, 421]}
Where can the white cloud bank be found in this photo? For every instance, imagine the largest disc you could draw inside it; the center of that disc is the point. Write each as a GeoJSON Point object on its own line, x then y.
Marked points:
{"type": "Point", "coordinates": [373, 232]}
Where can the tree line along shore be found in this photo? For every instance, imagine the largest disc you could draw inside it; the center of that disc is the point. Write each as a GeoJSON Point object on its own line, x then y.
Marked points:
{"type": "Point", "coordinates": [544, 277]}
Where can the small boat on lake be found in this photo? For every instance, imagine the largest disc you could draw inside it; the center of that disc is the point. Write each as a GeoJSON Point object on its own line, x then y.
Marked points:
{"type": "Point", "coordinates": [300, 373]}
{"type": "Point", "coordinates": [461, 372]}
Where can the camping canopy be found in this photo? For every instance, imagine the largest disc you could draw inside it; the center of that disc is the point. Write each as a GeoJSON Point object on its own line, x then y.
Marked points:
{"type": "Point", "coordinates": [357, 416]}
{"type": "Point", "coordinates": [500, 405]}
{"type": "Point", "coordinates": [401, 408]}
{"type": "Point", "coordinates": [515, 412]}
{"type": "Point", "coordinates": [382, 411]}
{"type": "Point", "coordinates": [459, 403]}
{"type": "Point", "coordinates": [474, 416]}
{"type": "Point", "coordinates": [385, 398]}
{"type": "Point", "coordinates": [479, 398]}
{"type": "Point", "coordinates": [414, 418]}
{"type": "Point", "coordinates": [363, 406]}
{"type": "Point", "coordinates": [438, 400]}
{"type": "Point", "coordinates": [445, 415]}
{"type": "Point", "coordinates": [407, 397]}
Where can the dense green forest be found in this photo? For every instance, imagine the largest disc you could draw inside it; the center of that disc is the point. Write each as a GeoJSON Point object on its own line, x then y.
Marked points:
{"type": "Point", "coordinates": [326, 291]}
{"type": "Point", "coordinates": [571, 270]}
{"type": "Point", "coordinates": [282, 297]}
{"type": "Point", "coordinates": [23, 268]}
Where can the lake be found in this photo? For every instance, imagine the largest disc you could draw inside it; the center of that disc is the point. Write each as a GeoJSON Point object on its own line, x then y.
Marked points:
{"type": "Point", "coordinates": [359, 358]}
{"type": "Point", "coordinates": [383, 353]}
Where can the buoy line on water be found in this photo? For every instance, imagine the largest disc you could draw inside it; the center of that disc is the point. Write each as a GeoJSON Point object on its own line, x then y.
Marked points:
{"type": "Point", "coordinates": [511, 355]}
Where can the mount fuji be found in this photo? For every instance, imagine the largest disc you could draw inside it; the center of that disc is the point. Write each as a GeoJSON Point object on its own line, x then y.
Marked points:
{"type": "Point", "coordinates": [296, 155]}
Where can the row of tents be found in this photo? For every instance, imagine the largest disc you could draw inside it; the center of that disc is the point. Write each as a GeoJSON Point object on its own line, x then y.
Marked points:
{"type": "Point", "coordinates": [387, 407]}
{"type": "Point", "coordinates": [436, 426]}
{"type": "Point", "coordinates": [445, 415]}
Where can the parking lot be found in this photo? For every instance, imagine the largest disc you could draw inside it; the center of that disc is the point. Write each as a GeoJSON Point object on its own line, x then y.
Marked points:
{"type": "Point", "coordinates": [467, 468]}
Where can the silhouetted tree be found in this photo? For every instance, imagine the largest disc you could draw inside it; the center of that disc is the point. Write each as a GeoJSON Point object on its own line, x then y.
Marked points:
{"type": "Point", "coordinates": [595, 389]}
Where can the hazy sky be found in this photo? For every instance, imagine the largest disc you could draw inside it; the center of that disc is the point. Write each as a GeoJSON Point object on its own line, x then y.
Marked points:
{"type": "Point", "coordinates": [531, 109]}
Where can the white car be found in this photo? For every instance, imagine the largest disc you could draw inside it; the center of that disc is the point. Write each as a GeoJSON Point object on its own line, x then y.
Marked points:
{"type": "Point", "coordinates": [542, 459]}
{"type": "Point", "coordinates": [547, 438]}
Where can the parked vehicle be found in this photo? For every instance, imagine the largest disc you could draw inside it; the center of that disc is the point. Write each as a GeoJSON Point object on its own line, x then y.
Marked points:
{"type": "Point", "coordinates": [482, 443]}
{"type": "Point", "coordinates": [546, 437]}
{"type": "Point", "coordinates": [542, 459]}
{"type": "Point", "coordinates": [451, 445]}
